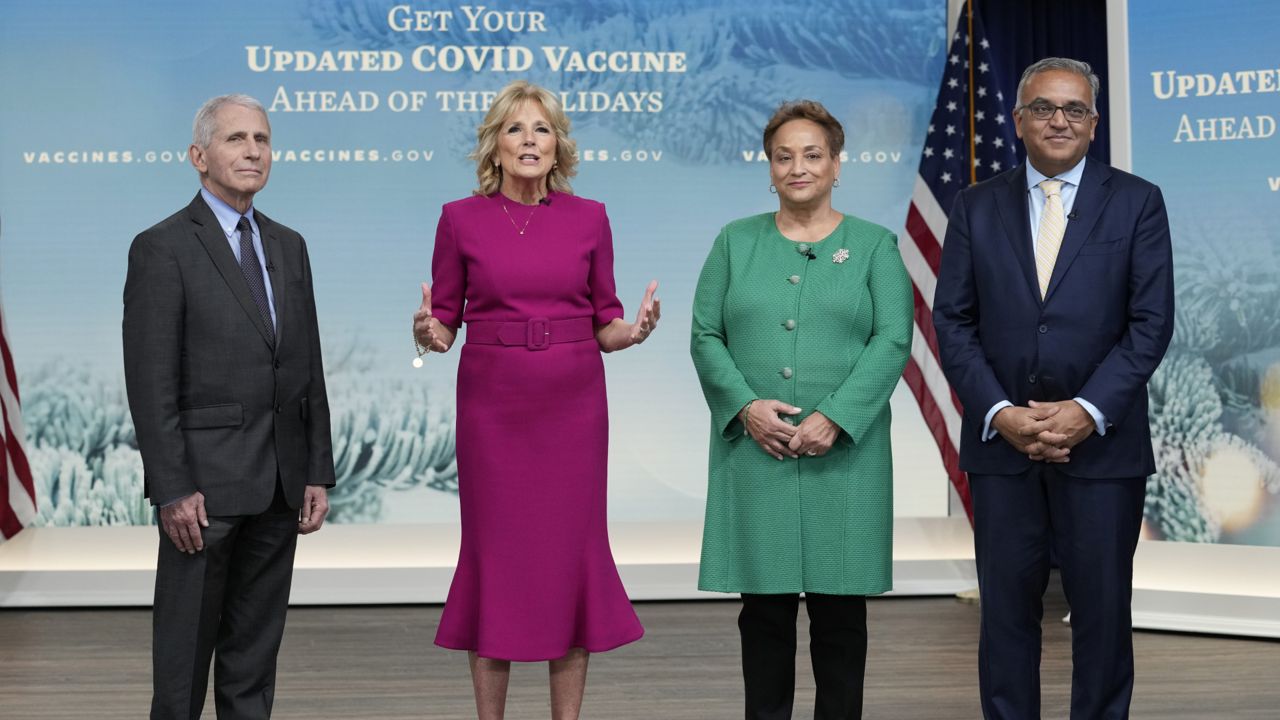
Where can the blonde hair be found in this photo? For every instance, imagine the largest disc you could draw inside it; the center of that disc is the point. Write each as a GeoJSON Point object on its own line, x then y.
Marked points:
{"type": "Point", "coordinates": [488, 173]}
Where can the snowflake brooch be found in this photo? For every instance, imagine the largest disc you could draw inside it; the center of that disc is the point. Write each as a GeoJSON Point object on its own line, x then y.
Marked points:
{"type": "Point", "coordinates": [840, 256]}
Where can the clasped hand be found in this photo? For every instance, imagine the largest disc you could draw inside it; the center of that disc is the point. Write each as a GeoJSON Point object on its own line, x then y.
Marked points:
{"type": "Point", "coordinates": [762, 421]}
{"type": "Point", "coordinates": [1044, 430]}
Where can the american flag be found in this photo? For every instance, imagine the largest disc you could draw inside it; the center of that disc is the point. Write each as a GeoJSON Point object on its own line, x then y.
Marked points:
{"type": "Point", "coordinates": [17, 490]}
{"type": "Point", "coordinates": [970, 138]}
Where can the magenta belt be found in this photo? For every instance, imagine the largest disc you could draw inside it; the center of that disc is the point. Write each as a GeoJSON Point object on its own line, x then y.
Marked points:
{"type": "Point", "coordinates": [536, 333]}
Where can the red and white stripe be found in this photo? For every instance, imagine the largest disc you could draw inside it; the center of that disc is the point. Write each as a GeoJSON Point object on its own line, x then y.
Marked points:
{"type": "Point", "coordinates": [922, 254]}
{"type": "Point", "coordinates": [17, 489]}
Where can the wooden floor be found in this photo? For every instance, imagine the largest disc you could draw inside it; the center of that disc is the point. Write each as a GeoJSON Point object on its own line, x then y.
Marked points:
{"type": "Point", "coordinates": [378, 662]}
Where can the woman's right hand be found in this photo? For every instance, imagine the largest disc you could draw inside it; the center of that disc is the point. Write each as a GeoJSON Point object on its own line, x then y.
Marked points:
{"type": "Point", "coordinates": [763, 423]}
{"type": "Point", "coordinates": [429, 332]}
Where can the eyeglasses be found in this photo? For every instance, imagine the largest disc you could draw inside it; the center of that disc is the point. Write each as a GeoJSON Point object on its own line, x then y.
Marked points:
{"type": "Point", "coordinates": [1041, 110]}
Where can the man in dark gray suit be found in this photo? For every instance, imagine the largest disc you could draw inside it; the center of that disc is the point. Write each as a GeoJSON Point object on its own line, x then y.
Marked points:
{"type": "Point", "coordinates": [226, 388]}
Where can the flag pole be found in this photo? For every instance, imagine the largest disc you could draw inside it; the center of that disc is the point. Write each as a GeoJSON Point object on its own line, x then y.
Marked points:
{"type": "Point", "coordinates": [973, 148]}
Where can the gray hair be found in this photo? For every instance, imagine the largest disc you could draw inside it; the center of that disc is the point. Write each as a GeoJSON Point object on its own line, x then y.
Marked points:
{"type": "Point", "coordinates": [1079, 67]}
{"type": "Point", "coordinates": [206, 117]}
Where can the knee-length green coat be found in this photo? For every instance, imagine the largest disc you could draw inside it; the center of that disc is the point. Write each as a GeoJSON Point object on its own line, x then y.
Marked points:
{"type": "Point", "coordinates": [826, 327]}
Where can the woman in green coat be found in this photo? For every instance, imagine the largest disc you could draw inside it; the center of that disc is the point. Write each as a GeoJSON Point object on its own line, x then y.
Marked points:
{"type": "Point", "coordinates": [801, 327]}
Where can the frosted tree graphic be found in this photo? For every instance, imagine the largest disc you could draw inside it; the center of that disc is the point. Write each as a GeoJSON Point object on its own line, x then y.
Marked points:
{"type": "Point", "coordinates": [741, 60]}
{"type": "Point", "coordinates": [389, 436]}
{"type": "Point", "coordinates": [1207, 400]}
{"type": "Point", "coordinates": [82, 450]}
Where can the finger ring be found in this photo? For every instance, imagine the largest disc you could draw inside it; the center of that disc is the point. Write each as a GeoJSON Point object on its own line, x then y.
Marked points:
{"type": "Point", "coordinates": [811, 453]}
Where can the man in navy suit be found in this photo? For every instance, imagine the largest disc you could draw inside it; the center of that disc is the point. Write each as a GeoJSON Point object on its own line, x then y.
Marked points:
{"type": "Point", "coordinates": [1053, 307]}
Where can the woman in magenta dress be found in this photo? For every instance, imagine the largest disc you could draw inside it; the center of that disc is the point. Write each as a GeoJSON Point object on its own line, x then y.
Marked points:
{"type": "Point", "coordinates": [528, 267]}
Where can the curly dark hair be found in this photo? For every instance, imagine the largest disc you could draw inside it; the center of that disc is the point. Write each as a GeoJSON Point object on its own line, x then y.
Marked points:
{"type": "Point", "coordinates": [811, 110]}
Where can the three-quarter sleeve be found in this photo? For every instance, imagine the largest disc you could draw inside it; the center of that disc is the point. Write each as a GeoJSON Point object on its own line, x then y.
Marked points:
{"type": "Point", "coordinates": [723, 384]}
{"type": "Point", "coordinates": [604, 291]}
{"type": "Point", "coordinates": [864, 394]}
{"type": "Point", "coordinates": [448, 274]}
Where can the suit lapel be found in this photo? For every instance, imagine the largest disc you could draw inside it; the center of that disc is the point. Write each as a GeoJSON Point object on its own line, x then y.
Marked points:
{"type": "Point", "coordinates": [275, 264]}
{"type": "Point", "coordinates": [1016, 217]}
{"type": "Point", "coordinates": [210, 234]}
{"type": "Point", "coordinates": [1091, 198]}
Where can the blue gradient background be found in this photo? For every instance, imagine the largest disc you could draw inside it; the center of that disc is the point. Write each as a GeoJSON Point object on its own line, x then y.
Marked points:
{"type": "Point", "coordinates": [129, 76]}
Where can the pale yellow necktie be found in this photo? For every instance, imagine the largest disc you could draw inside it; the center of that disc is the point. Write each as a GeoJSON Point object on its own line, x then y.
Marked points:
{"type": "Point", "coordinates": [1053, 224]}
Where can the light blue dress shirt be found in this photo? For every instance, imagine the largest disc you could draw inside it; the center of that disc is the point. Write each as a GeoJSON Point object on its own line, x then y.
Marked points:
{"type": "Point", "coordinates": [1035, 196]}
{"type": "Point", "coordinates": [228, 218]}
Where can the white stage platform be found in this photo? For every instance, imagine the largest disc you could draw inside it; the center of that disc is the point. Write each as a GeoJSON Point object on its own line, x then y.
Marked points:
{"type": "Point", "coordinates": [1197, 588]}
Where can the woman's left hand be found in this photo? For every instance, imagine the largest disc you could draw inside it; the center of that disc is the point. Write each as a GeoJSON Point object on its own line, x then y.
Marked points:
{"type": "Point", "coordinates": [814, 436]}
{"type": "Point", "coordinates": [647, 316]}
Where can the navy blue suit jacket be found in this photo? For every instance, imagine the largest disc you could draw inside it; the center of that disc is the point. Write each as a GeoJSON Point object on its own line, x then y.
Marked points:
{"type": "Point", "coordinates": [1099, 333]}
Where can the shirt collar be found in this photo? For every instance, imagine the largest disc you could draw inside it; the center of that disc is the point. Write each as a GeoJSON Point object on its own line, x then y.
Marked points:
{"type": "Point", "coordinates": [1070, 177]}
{"type": "Point", "coordinates": [227, 216]}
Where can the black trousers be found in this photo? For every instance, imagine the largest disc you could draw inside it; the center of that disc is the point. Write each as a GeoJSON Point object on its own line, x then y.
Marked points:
{"type": "Point", "coordinates": [837, 647]}
{"type": "Point", "coordinates": [229, 601]}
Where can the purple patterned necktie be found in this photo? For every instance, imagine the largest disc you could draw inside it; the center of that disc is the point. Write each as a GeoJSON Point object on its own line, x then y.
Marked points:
{"type": "Point", "coordinates": [252, 270]}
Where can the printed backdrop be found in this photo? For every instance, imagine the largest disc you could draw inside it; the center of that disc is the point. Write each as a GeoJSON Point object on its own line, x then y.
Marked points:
{"type": "Point", "coordinates": [1204, 86]}
{"type": "Point", "coordinates": [373, 106]}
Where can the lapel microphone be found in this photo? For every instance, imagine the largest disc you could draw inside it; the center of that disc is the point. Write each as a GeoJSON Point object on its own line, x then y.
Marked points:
{"type": "Point", "coordinates": [810, 255]}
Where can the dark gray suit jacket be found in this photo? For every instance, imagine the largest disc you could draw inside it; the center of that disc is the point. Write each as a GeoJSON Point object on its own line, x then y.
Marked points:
{"type": "Point", "coordinates": [217, 406]}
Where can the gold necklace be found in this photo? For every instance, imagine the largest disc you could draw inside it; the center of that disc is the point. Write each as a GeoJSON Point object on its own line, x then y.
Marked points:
{"type": "Point", "coordinates": [520, 228]}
